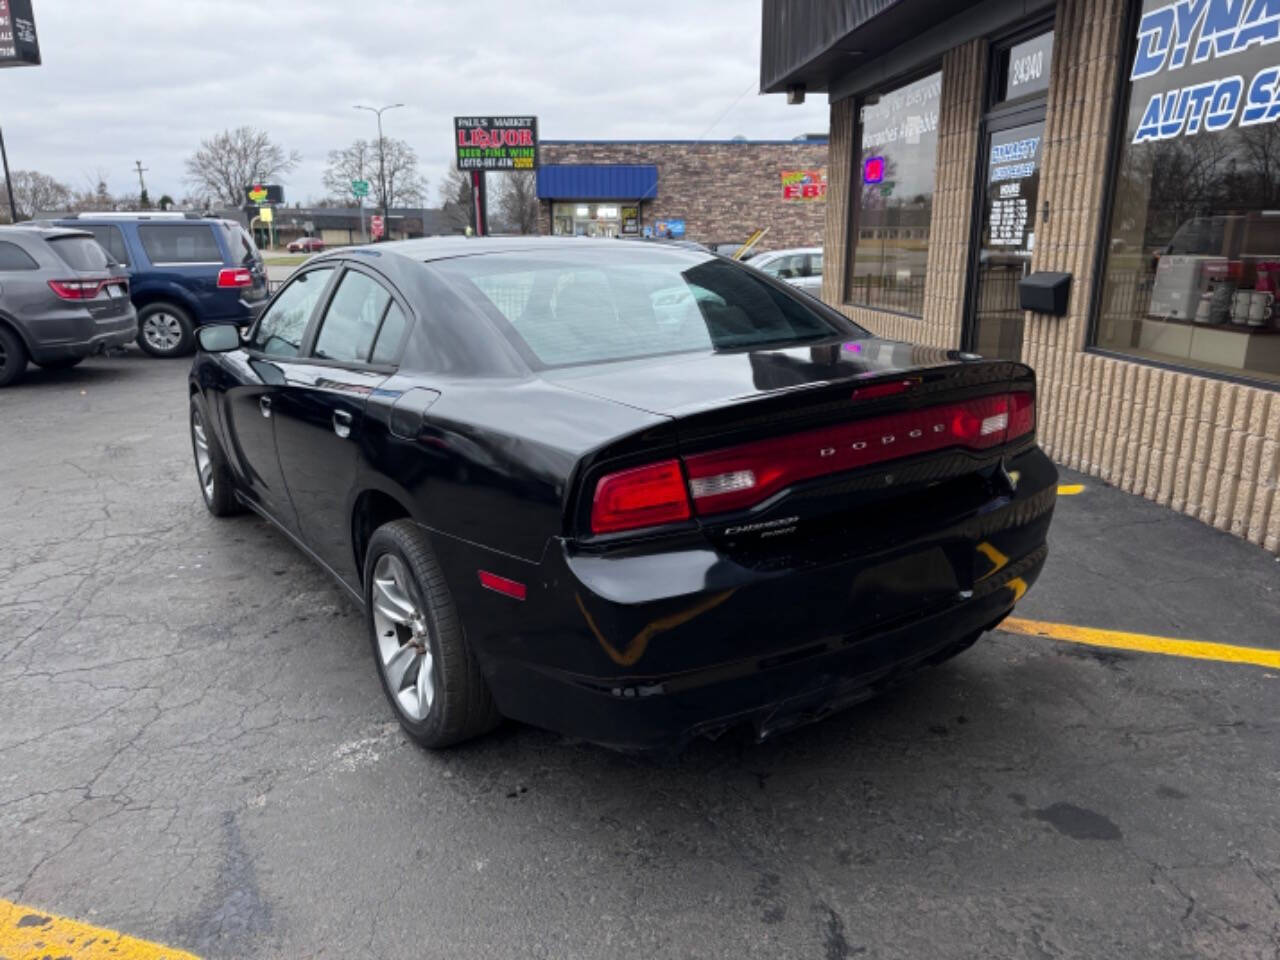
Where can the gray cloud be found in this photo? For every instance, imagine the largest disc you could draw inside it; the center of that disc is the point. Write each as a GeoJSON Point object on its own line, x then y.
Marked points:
{"type": "Point", "coordinates": [148, 79]}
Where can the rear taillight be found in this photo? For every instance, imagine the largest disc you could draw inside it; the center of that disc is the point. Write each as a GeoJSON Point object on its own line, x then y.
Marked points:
{"type": "Point", "coordinates": [646, 496]}
{"type": "Point", "coordinates": [235, 277]}
{"type": "Point", "coordinates": [740, 477]}
{"type": "Point", "coordinates": [1022, 414]}
{"type": "Point", "coordinates": [76, 289]}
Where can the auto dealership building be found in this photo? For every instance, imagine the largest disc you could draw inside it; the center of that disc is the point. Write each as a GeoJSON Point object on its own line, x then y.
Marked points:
{"type": "Point", "coordinates": [712, 191]}
{"type": "Point", "coordinates": [1114, 164]}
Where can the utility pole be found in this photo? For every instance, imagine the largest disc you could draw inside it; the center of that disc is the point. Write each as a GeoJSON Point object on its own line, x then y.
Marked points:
{"type": "Point", "coordinates": [8, 181]}
{"type": "Point", "coordinates": [382, 163]}
{"type": "Point", "coordinates": [142, 186]}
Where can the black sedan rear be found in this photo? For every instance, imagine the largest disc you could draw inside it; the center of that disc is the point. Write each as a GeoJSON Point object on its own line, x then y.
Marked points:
{"type": "Point", "coordinates": [635, 494]}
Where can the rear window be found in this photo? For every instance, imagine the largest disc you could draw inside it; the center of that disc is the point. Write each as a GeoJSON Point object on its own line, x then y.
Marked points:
{"type": "Point", "coordinates": [80, 253]}
{"type": "Point", "coordinates": [179, 243]}
{"type": "Point", "coordinates": [241, 245]}
{"type": "Point", "coordinates": [594, 306]}
{"type": "Point", "coordinates": [111, 240]}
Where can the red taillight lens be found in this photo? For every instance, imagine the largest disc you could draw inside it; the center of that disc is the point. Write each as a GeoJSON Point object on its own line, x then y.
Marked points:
{"type": "Point", "coordinates": [1022, 414]}
{"type": "Point", "coordinates": [235, 277]}
{"type": "Point", "coordinates": [76, 289]}
{"type": "Point", "coordinates": [743, 476]}
{"type": "Point", "coordinates": [641, 497]}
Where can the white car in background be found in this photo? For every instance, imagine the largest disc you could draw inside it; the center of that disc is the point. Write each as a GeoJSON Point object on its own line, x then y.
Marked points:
{"type": "Point", "coordinates": [799, 266]}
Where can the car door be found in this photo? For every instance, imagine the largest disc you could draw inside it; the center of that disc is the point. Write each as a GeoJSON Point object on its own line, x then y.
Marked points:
{"type": "Point", "coordinates": [258, 374]}
{"type": "Point", "coordinates": [320, 415]}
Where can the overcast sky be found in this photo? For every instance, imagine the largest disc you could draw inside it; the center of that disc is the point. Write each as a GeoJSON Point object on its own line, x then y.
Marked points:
{"type": "Point", "coordinates": [148, 79]}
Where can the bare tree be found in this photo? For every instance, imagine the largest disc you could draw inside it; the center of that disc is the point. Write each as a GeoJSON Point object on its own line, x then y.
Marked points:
{"type": "Point", "coordinates": [456, 200]}
{"type": "Point", "coordinates": [405, 186]}
{"type": "Point", "coordinates": [517, 195]}
{"type": "Point", "coordinates": [33, 192]}
{"type": "Point", "coordinates": [232, 160]}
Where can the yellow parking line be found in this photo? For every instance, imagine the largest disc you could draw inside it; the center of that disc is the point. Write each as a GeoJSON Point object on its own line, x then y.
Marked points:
{"type": "Point", "coordinates": [1167, 646]}
{"type": "Point", "coordinates": [1070, 489]}
{"type": "Point", "coordinates": [30, 934]}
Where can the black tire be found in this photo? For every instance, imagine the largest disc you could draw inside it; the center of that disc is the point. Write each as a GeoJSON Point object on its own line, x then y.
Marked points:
{"type": "Point", "coordinates": [218, 493]}
{"type": "Point", "coordinates": [62, 363]}
{"type": "Point", "coordinates": [462, 707]}
{"type": "Point", "coordinates": [165, 330]}
{"type": "Point", "coordinates": [13, 357]}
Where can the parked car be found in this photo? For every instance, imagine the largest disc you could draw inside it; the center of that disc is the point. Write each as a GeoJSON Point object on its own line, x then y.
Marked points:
{"type": "Point", "coordinates": [801, 267]}
{"type": "Point", "coordinates": [306, 245]}
{"type": "Point", "coordinates": [184, 272]}
{"type": "Point", "coordinates": [731, 247]}
{"type": "Point", "coordinates": [61, 300]}
{"type": "Point", "coordinates": [558, 506]}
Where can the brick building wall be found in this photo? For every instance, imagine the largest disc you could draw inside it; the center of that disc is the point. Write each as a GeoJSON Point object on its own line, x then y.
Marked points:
{"type": "Point", "coordinates": [1201, 446]}
{"type": "Point", "coordinates": [723, 190]}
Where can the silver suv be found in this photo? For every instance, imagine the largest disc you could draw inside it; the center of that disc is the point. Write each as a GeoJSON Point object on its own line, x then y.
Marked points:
{"type": "Point", "coordinates": [62, 298]}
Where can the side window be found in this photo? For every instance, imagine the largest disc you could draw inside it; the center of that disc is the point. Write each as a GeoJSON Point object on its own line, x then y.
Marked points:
{"type": "Point", "coordinates": [389, 337]}
{"type": "Point", "coordinates": [815, 265]}
{"type": "Point", "coordinates": [351, 322]}
{"type": "Point", "coordinates": [773, 266]}
{"type": "Point", "coordinates": [279, 333]}
{"type": "Point", "coordinates": [179, 243]}
{"type": "Point", "coordinates": [13, 257]}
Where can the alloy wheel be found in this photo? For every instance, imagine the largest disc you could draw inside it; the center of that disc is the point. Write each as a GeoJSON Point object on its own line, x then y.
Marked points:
{"type": "Point", "coordinates": [204, 462]}
{"type": "Point", "coordinates": [404, 639]}
{"type": "Point", "coordinates": [162, 331]}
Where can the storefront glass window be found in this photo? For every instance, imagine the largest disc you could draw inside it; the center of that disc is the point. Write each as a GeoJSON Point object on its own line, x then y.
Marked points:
{"type": "Point", "coordinates": [593, 219]}
{"type": "Point", "coordinates": [1193, 250]}
{"type": "Point", "coordinates": [894, 183]}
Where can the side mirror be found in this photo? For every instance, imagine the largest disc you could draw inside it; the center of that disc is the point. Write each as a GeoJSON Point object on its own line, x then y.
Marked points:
{"type": "Point", "coordinates": [218, 337]}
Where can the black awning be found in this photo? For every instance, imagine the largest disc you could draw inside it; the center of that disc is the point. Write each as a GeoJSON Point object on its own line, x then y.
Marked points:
{"type": "Point", "coordinates": [816, 41]}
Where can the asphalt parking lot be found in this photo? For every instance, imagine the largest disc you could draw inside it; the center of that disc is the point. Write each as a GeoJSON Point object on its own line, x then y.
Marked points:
{"type": "Point", "coordinates": [194, 750]}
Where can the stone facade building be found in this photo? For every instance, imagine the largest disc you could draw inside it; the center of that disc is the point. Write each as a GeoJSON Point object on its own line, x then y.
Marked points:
{"type": "Point", "coordinates": [1106, 140]}
{"type": "Point", "coordinates": [711, 191]}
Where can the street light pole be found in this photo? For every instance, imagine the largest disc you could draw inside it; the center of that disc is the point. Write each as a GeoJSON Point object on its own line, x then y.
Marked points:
{"type": "Point", "coordinates": [382, 165]}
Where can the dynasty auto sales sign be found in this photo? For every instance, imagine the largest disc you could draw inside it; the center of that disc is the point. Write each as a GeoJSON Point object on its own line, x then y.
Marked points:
{"type": "Point", "coordinates": [19, 46]}
{"type": "Point", "coordinates": [496, 143]}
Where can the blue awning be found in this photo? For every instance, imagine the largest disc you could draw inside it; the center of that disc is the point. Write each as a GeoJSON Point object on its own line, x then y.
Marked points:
{"type": "Point", "coordinates": [598, 181]}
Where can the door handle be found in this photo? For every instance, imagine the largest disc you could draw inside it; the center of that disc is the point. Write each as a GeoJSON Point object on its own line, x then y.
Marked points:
{"type": "Point", "coordinates": [342, 423]}
{"type": "Point", "coordinates": [264, 404]}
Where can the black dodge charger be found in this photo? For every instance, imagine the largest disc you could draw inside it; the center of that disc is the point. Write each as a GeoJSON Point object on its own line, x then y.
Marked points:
{"type": "Point", "coordinates": [633, 493]}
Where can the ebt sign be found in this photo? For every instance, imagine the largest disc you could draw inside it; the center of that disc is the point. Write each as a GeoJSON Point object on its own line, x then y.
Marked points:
{"type": "Point", "coordinates": [1198, 31]}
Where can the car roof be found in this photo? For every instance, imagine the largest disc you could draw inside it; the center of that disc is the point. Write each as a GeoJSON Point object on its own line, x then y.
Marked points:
{"type": "Point", "coordinates": [427, 249]}
{"type": "Point", "coordinates": [788, 251]}
{"type": "Point", "coordinates": [44, 229]}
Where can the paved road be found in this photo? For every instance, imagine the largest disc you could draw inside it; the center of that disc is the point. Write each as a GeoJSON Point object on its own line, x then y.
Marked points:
{"type": "Point", "coordinates": [194, 749]}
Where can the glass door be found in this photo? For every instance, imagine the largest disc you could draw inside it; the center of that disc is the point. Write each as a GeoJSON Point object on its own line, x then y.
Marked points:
{"type": "Point", "coordinates": [1007, 239]}
{"type": "Point", "coordinates": [1008, 190]}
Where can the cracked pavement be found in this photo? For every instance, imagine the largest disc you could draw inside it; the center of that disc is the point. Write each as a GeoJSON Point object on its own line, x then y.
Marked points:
{"type": "Point", "coordinates": [194, 748]}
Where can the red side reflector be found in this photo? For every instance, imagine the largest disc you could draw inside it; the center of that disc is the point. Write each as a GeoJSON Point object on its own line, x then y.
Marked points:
{"type": "Point", "coordinates": [235, 277]}
{"type": "Point", "coordinates": [509, 588]}
{"type": "Point", "coordinates": [641, 497]}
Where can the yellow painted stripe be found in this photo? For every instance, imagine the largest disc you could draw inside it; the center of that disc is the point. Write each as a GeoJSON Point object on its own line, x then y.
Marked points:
{"type": "Point", "coordinates": [1145, 643]}
{"type": "Point", "coordinates": [1070, 489]}
{"type": "Point", "coordinates": [30, 934]}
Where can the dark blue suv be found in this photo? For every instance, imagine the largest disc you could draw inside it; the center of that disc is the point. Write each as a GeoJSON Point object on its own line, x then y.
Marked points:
{"type": "Point", "coordinates": [183, 271]}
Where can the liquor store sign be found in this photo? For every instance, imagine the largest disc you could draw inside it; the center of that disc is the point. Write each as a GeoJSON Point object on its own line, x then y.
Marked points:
{"type": "Point", "coordinates": [1195, 47]}
{"type": "Point", "coordinates": [496, 143]}
{"type": "Point", "coordinates": [19, 46]}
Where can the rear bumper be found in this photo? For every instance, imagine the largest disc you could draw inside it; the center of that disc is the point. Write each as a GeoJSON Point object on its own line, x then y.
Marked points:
{"type": "Point", "coordinates": [649, 650]}
{"type": "Point", "coordinates": [80, 336]}
{"type": "Point", "coordinates": [800, 682]}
